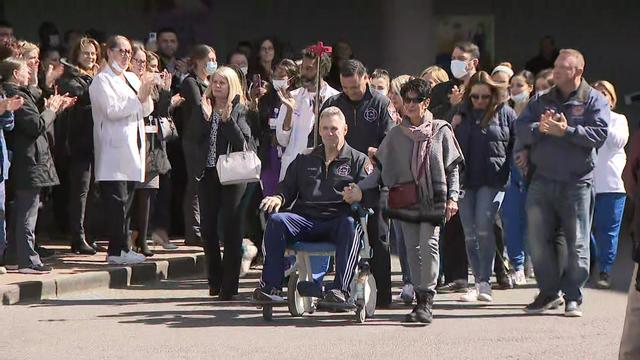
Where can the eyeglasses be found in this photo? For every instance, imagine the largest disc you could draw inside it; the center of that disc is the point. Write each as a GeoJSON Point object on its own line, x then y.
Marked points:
{"type": "Point", "coordinates": [416, 100]}
{"type": "Point", "coordinates": [478, 97]}
{"type": "Point", "coordinates": [124, 52]}
{"type": "Point", "coordinates": [139, 61]}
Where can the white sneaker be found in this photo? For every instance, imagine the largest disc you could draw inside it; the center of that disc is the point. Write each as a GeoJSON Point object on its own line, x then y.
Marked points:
{"type": "Point", "coordinates": [470, 296]}
{"type": "Point", "coordinates": [520, 278]}
{"type": "Point", "coordinates": [484, 292]}
{"type": "Point", "coordinates": [3, 270]}
{"type": "Point", "coordinates": [407, 294]}
{"type": "Point", "coordinates": [126, 258]}
{"type": "Point", "coordinates": [249, 252]}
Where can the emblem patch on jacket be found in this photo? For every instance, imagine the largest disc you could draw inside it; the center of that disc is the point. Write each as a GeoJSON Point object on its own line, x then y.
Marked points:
{"type": "Point", "coordinates": [343, 170]}
{"type": "Point", "coordinates": [371, 114]}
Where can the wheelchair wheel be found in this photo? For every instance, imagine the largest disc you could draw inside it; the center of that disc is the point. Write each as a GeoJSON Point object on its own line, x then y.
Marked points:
{"type": "Point", "coordinates": [370, 296]}
{"type": "Point", "coordinates": [294, 300]}
{"type": "Point", "coordinates": [267, 312]}
{"type": "Point", "coordinates": [361, 314]}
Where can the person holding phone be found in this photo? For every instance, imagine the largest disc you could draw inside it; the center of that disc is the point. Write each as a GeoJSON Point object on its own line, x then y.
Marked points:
{"type": "Point", "coordinates": [222, 128]}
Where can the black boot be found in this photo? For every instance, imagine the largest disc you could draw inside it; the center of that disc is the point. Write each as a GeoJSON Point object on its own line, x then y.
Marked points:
{"type": "Point", "coordinates": [422, 311]}
{"type": "Point", "coordinates": [142, 247]}
{"type": "Point", "coordinates": [80, 246]}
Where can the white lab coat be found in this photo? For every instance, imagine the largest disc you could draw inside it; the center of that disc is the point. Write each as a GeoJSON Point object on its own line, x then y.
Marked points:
{"type": "Point", "coordinates": [302, 119]}
{"type": "Point", "coordinates": [118, 127]}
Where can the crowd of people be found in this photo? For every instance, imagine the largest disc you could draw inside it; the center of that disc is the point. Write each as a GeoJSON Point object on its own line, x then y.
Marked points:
{"type": "Point", "coordinates": [512, 173]}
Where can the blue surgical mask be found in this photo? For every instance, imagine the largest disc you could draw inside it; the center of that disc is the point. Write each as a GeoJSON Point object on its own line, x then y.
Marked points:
{"type": "Point", "coordinates": [211, 68]}
{"type": "Point", "coordinates": [459, 68]}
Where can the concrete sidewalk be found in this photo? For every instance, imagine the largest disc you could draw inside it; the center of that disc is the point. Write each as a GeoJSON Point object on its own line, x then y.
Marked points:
{"type": "Point", "coordinates": [85, 272]}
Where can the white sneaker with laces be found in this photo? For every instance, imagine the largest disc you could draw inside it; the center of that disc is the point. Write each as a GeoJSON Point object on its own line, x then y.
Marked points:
{"type": "Point", "coordinates": [249, 252]}
{"type": "Point", "coordinates": [126, 258]}
{"type": "Point", "coordinates": [484, 292]}
{"type": "Point", "coordinates": [471, 295]}
{"type": "Point", "coordinates": [520, 278]}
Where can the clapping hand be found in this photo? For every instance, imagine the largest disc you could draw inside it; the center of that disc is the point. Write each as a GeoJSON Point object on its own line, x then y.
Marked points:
{"type": "Point", "coordinates": [286, 99]}
{"type": "Point", "coordinates": [553, 124]}
{"type": "Point", "coordinates": [456, 95]}
{"type": "Point", "coordinates": [54, 72]}
{"type": "Point", "coordinates": [11, 104]}
{"type": "Point", "coordinates": [207, 108]}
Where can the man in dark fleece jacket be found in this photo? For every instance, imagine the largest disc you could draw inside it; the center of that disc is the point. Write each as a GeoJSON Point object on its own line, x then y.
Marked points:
{"type": "Point", "coordinates": [312, 189]}
{"type": "Point", "coordinates": [563, 129]}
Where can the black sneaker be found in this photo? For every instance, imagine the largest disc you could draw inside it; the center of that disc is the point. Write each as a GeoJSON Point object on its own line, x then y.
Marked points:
{"type": "Point", "coordinates": [36, 269]}
{"type": "Point", "coordinates": [267, 295]}
{"type": "Point", "coordinates": [44, 252]}
{"type": "Point", "coordinates": [457, 286]}
{"type": "Point", "coordinates": [543, 303]}
{"type": "Point", "coordinates": [336, 296]}
{"type": "Point", "coordinates": [422, 312]}
{"type": "Point", "coordinates": [505, 282]}
{"type": "Point", "coordinates": [604, 282]}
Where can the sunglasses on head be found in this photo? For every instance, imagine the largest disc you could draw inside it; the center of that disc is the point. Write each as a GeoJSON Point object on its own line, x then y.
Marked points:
{"type": "Point", "coordinates": [415, 100]}
{"type": "Point", "coordinates": [477, 97]}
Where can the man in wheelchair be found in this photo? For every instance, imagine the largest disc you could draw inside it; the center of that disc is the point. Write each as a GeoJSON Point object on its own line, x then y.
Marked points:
{"type": "Point", "coordinates": [312, 194]}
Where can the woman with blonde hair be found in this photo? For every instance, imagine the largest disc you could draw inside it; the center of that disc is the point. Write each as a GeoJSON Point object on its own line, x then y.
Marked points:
{"type": "Point", "coordinates": [610, 192]}
{"type": "Point", "coordinates": [434, 75]}
{"type": "Point", "coordinates": [222, 127]}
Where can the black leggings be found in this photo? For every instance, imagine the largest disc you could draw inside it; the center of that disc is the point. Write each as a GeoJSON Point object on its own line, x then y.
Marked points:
{"type": "Point", "coordinates": [141, 210]}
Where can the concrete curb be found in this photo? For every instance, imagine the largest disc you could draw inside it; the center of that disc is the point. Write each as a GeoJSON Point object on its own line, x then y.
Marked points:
{"type": "Point", "coordinates": [111, 277]}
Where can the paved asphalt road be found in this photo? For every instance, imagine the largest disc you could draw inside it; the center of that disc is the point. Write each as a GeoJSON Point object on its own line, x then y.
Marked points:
{"type": "Point", "coordinates": [178, 320]}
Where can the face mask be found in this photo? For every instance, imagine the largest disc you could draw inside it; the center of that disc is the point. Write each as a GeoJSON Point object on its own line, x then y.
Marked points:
{"type": "Point", "coordinates": [117, 67]}
{"type": "Point", "coordinates": [54, 40]}
{"type": "Point", "coordinates": [212, 66]}
{"type": "Point", "coordinates": [459, 68]}
{"type": "Point", "coordinates": [280, 84]}
{"type": "Point", "coordinates": [245, 70]}
{"type": "Point", "coordinates": [523, 96]}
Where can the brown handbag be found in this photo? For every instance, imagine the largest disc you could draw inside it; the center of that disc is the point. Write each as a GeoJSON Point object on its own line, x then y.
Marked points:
{"type": "Point", "coordinates": [402, 196]}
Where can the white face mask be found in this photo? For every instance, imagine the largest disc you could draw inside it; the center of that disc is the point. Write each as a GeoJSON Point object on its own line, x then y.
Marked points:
{"type": "Point", "coordinates": [211, 68]}
{"type": "Point", "coordinates": [280, 84]}
{"type": "Point", "coordinates": [117, 67]}
{"type": "Point", "coordinates": [459, 68]}
{"type": "Point", "coordinates": [245, 70]}
{"type": "Point", "coordinates": [522, 97]}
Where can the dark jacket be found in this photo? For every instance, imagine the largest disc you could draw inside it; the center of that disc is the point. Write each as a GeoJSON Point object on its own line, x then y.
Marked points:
{"type": "Point", "coordinates": [368, 119]}
{"type": "Point", "coordinates": [32, 164]}
{"type": "Point", "coordinates": [440, 106]}
{"type": "Point", "coordinates": [587, 112]}
{"type": "Point", "coordinates": [74, 127]}
{"type": "Point", "coordinates": [487, 152]}
{"type": "Point", "coordinates": [316, 188]}
{"type": "Point", "coordinates": [187, 118]}
{"type": "Point", "coordinates": [235, 132]}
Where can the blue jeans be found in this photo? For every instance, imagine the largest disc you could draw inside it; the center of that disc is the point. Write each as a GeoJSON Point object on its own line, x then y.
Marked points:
{"type": "Point", "coordinates": [514, 219]}
{"type": "Point", "coordinates": [549, 204]}
{"type": "Point", "coordinates": [607, 218]}
{"type": "Point", "coordinates": [398, 235]}
{"type": "Point", "coordinates": [478, 209]}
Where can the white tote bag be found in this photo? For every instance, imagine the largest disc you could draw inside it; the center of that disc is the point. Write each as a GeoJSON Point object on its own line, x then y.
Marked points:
{"type": "Point", "coordinates": [238, 167]}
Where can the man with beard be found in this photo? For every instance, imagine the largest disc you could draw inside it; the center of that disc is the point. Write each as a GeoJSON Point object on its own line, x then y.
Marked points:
{"type": "Point", "coordinates": [296, 116]}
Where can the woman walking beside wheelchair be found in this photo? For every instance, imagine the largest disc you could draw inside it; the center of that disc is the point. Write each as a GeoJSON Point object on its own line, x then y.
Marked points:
{"type": "Point", "coordinates": [418, 161]}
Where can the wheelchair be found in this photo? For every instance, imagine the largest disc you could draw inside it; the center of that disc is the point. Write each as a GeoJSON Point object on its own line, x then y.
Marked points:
{"type": "Point", "coordinates": [363, 289]}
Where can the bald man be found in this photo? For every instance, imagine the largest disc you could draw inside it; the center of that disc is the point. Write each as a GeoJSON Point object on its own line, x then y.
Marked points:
{"type": "Point", "coordinates": [562, 129]}
{"type": "Point", "coordinates": [312, 194]}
